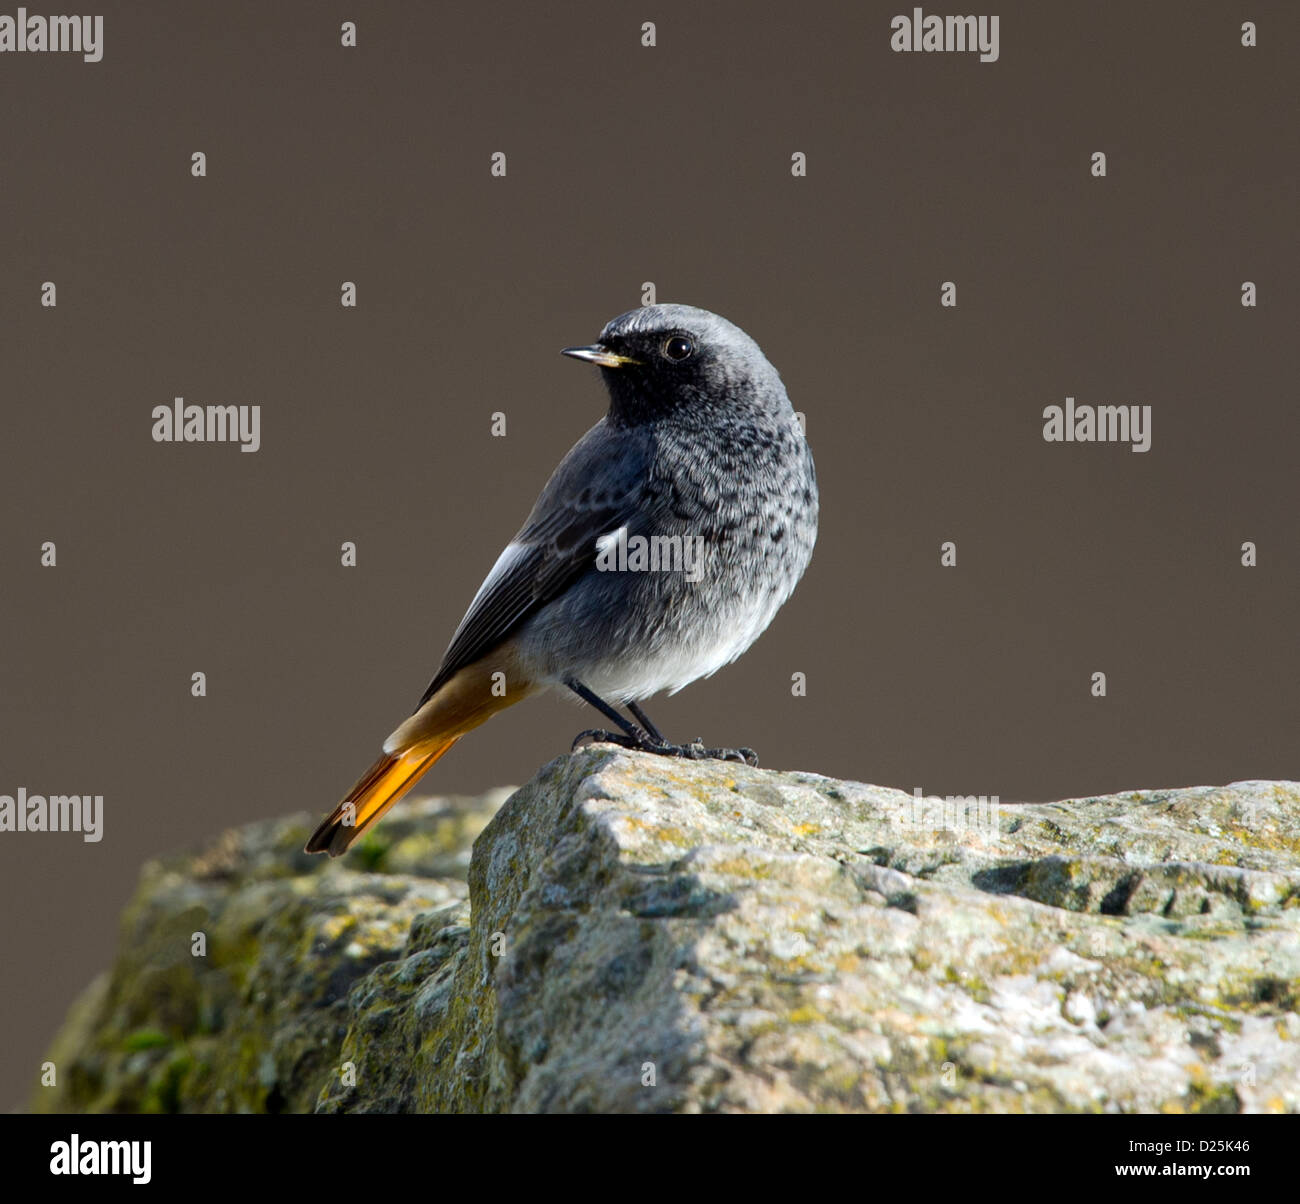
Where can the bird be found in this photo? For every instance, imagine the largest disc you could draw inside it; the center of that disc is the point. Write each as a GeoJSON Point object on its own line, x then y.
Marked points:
{"type": "Point", "coordinates": [700, 456]}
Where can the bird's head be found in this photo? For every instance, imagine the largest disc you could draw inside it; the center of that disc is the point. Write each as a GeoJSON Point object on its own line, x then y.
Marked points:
{"type": "Point", "coordinates": [677, 361]}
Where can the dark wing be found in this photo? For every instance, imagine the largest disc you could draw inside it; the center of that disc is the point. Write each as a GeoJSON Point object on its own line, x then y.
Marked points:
{"type": "Point", "coordinates": [598, 487]}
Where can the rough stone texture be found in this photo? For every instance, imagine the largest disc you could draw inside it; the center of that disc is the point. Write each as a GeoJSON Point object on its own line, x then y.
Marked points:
{"type": "Point", "coordinates": [255, 1024]}
{"type": "Point", "coordinates": [652, 935]}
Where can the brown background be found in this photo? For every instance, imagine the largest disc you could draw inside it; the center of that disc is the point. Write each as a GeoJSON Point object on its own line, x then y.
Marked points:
{"type": "Point", "coordinates": [627, 165]}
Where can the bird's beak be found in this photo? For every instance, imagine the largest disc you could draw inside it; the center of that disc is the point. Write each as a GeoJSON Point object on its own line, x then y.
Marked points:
{"type": "Point", "coordinates": [596, 354]}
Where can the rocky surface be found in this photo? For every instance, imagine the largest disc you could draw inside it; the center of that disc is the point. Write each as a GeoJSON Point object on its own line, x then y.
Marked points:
{"type": "Point", "coordinates": [641, 934]}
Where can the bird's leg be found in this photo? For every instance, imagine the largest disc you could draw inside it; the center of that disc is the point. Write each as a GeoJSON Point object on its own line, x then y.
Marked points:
{"type": "Point", "coordinates": [632, 736]}
{"type": "Point", "coordinates": [630, 730]}
{"type": "Point", "coordinates": [647, 737]}
{"type": "Point", "coordinates": [644, 720]}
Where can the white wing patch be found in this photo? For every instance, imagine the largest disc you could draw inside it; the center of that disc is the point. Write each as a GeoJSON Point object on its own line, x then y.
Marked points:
{"type": "Point", "coordinates": [508, 558]}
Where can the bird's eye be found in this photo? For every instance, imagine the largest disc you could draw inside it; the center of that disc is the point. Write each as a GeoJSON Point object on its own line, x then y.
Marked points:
{"type": "Point", "coordinates": [678, 347]}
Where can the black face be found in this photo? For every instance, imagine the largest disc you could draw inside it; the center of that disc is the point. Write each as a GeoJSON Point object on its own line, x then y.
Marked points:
{"type": "Point", "coordinates": [673, 373]}
{"type": "Point", "coordinates": [655, 349]}
{"type": "Point", "coordinates": [683, 363]}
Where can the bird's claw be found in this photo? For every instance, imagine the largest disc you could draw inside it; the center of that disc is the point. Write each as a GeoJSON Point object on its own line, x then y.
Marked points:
{"type": "Point", "coordinates": [642, 742]}
{"type": "Point", "coordinates": [698, 752]}
{"type": "Point", "coordinates": [599, 736]}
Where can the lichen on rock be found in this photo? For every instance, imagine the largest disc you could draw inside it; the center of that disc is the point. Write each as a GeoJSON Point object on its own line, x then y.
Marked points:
{"type": "Point", "coordinates": [641, 934]}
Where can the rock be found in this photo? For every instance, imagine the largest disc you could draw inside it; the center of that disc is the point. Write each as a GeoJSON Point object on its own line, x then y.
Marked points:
{"type": "Point", "coordinates": [254, 1024]}
{"type": "Point", "coordinates": [649, 935]}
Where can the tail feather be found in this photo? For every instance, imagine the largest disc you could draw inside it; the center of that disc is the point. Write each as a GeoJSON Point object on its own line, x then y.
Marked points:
{"type": "Point", "coordinates": [378, 789]}
{"type": "Point", "coordinates": [467, 699]}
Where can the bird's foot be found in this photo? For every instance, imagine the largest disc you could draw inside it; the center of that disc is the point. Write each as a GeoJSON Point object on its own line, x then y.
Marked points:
{"type": "Point", "coordinates": [643, 742]}
{"type": "Point", "coordinates": [600, 736]}
{"type": "Point", "coordinates": [697, 752]}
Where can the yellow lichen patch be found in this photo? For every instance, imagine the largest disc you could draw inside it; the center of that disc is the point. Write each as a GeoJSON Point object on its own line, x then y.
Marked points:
{"type": "Point", "coordinates": [663, 832]}
{"type": "Point", "coordinates": [739, 867]}
{"type": "Point", "coordinates": [336, 926]}
{"type": "Point", "coordinates": [806, 1015]}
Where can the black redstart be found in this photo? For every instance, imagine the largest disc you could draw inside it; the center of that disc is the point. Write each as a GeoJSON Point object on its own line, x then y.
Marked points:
{"type": "Point", "coordinates": [658, 552]}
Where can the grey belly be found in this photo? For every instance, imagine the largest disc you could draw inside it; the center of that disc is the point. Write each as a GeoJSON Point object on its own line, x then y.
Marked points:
{"type": "Point", "coordinates": [630, 634]}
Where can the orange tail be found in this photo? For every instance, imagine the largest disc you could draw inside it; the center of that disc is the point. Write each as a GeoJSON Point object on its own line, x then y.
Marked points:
{"type": "Point", "coordinates": [382, 785]}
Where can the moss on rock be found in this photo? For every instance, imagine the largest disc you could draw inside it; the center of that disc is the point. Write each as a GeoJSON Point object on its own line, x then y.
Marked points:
{"type": "Point", "coordinates": [634, 934]}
